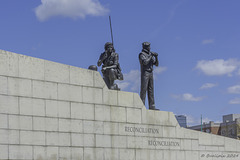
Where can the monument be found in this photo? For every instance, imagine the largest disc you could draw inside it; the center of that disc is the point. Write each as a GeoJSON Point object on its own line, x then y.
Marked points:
{"type": "Point", "coordinates": [52, 111]}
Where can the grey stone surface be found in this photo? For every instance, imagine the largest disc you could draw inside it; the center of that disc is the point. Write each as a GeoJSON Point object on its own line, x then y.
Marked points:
{"type": "Point", "coordinates": [49, 111]}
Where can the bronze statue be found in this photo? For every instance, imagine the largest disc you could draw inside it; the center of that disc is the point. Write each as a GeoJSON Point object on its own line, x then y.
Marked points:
{"type": "Point", "coordinates": [111, 68]}
{"type": "Point", "coordinates": [147, 59]}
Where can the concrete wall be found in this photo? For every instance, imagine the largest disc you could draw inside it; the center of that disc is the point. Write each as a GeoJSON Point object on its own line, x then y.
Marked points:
{"type": "Point", "coordinates": [54, 111]}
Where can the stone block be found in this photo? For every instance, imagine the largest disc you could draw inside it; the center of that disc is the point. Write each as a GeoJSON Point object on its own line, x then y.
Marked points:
{"type": "Point", "coordinates": [52, 153]}
{"type": "Point", "coordinates": [79, 76]}
{"type": "Point", "coordinates": [4, 151]}
{"type": "Point", "coordinates": [89, 140]}
{"type": "Point", "coordinates": [32, 138]}
{"type": "Point", "coordinates": [98, 127]}
{"type": "Point", "coordinates": [9, 136]}
{"type": "Point", "coordinates": [9, 105]}
{"type": "Point", "coordinates": [169, 132]}
{"type": "Point", "coordinates": [92, 95]}
{"type": "Point", "coordinates": [98, 80]}
{"type": "Point", "coordinates": [32, 68]}
{"type": "Point", "coordinates": [118, 114]}
{"type": "Point", "coordinates": [110, 97]}
{"type": "Point", "coordinates": [134, 115]}
{"type": "Point", "coordinates": [170, 155]}
{"type": "Point", "coordinates": [77, 139]}
{"type": "Point", "coordinates": [126, 154]}
{"type": "Point", "coordinates": [77, 126]}
{"type": "Point", "coordinates": [3, 84]}
{"type": "Point", "coordinates": [77, 153]}
{"type": "Point", "coordinates": [39, 123]}
{"type": "Point", "coordinates": [186, 144]}
{"type": "Point", "coordinates": [119, 141]}
{"type": "Point", "coordinates": [156, 154]}
{"type": "Point", "coordinates": [103, 141]}
{"type": "Point", "coordinates": [99, 154]}
{"type": "Point", "coordinates": [51, 108]}
{"type": "Point", "coordinates": [162, 118]}
{"type": "Point", "coordinates": [64, 153]}
{"type": "Point", "coordinates": [46, 90]}
{"type": "Point", "coordinates": [82, 111]}
{"type": "Point", "coordinates": [137, 101]}
{"type": "Point", "coordinates": [135, 142]}
{"type": "Point", "coordinates": [3, 136]}
{"type": "Point", "coordinates": [8, 63]}
{"type": "Point", "coordinates": [65, 125]}
{"type": "Point", "coordinates": [39, 152]}
{"type": "Point", "coordinates": [13, 137]}
{"type": "Point", "coordinates": [230, 144]}
{"type": "Point", "coordinates": [218, 140]}
{"type": "Point", "coordinates": [88, 126]}
{"type": "Point", "coordinates": [51, 124]}
{"type": "Point", "coordinates": [3, 121]}
{"type": "Point", "coordinates": [102, 113]}
{"type": "Point", "coordinates": [56, 72]}
{"type": "Point", "coordinates": [30, 106]}
{"type": "Point", "coordinates": [89, 153]}
{"type": "Point", "coordinates": [111, 128]}
{"type": "Point", "coordinates": [64, 109]}
{"type": "Point", "coordinates": [52, 138]}
{"type": "Point", "coordinates": [19, 87]}
{"type": "Point", "coordinates": [195, 145]}
{"type": "Point", "coordinates": [205, 138]}
{"type": "Point", "coordinates": [172, 119]}
{"type": "Point", "coordinates": [70, 92]}
{"type": "Point", "coordinates": [125, 99]}
{"type": "Point", "coordinates": [20, 152]}
{"type": "Point", "coordinates": [142, 154]}
{"type": "Point", "coordinates": [20, 122]}
{"type": "Point", "coordinates": [110, 154]}
{"type": "Point", "coordinates": [180, 155]}
{"type": "Point", "coordinates": [148, 116]}
{"type": "Point", "coordinates": [180, 132]}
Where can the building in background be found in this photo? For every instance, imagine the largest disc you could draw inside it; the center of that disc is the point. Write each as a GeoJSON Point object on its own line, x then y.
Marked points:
{"type": "Point", "coordinates": [210, 127]}
{"type": "Point", "coordinates": [230, 127]}
{"type": "Point", "coordinates": [182, 120]}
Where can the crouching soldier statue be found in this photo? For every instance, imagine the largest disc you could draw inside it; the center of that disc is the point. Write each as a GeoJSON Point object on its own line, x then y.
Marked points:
{"type": "Point", "coordinates": [110, 69]}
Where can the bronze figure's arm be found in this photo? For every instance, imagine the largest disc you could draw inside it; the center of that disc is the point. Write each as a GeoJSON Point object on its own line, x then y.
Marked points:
{"type": "Point", "coordinates": [102, 57]}
{"type": "Point", "coordinates": [156, 58]}
{"type": "Point", "coordinates": [145, 59]}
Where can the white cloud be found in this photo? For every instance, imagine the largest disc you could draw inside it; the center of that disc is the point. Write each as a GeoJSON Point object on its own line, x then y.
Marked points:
{"type": "Point", "coordinates": [208, 85]}
{"type": "Point", "coordinates": [218, 67]}
{"type": "Point", "coordinates": [69, 8]}
{"type": "Point", "coordinates": [132, 80]}
{"type": "Point", "coordinates": [235, 101]}
{"type": "Point", "coordinates": [208, 41]}
{"type": "Point", "coordinates": [187, 97]}
{"type": "Point", "coordinates": [234, 89]}
{"type": "Point", "coordinates": [159, 70]}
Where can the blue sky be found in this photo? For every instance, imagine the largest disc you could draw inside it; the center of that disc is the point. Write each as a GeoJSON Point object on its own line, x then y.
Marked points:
{"type": "Point", "coordinates": [197, 42]}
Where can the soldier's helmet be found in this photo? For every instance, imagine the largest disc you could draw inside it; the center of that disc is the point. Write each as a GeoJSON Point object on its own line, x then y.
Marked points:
{"type": "Point", "coordinates": [145, 44]}
{"type": "Point", "coordinates": [107, 44]}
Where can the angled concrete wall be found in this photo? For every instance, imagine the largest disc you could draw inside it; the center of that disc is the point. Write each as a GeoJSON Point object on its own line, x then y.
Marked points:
{"type": "Point", "coordinates": [55, 111]}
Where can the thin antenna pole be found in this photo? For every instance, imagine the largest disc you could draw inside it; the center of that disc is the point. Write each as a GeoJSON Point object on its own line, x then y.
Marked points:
{"type": "Point", "coordinates": [201, 124]}
{"type": "Point", "coordinates": [111, 28]}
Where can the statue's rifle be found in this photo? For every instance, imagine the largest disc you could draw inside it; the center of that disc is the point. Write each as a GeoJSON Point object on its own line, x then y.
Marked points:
{"type": "Point", "coordinates": [111, 29]}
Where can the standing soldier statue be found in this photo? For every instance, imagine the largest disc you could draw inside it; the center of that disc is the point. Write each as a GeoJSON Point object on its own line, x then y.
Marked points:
{"type": "Point", "coordinates": [147, 59]}
{"type": "Point", "coordinates": [110, 69]}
